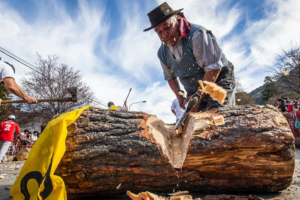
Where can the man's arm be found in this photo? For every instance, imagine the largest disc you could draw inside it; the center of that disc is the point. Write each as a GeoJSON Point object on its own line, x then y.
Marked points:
{"type": "Point", "coordinates": [18, 129]}
{"type": "Point", "coordinates": [208, 55]}
{"type": "Point", "coordinates": [174, 85]}
{"type": "Point", "coordinates": [125, 103]}
{"type": "Point", "coordinates": [12, 86]}
{"type": "Point", "coordinates": [173, 111]}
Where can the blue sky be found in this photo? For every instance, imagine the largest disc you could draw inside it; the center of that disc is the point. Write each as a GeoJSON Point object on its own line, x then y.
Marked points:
{"type": "Point", "coordinates": [105, 41]}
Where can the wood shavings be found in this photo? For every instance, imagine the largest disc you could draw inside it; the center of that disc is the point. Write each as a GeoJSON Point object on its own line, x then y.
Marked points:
{"type": "Point", "coordinates": [218, 120]}
{"type": "Point", "coordinates": [118, 187]}
{"type": "Point", "coordinates": [216, 92]}
{"type": "Point", "coordinates": [178, 193]}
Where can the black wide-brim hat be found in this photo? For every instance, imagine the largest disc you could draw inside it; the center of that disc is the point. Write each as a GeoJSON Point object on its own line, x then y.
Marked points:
{"type": "Point", "coordinates": [160, 14]}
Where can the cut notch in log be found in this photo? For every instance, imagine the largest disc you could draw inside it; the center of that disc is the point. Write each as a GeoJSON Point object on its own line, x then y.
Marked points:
{"type": "Point", "coordinates": [175, 143]}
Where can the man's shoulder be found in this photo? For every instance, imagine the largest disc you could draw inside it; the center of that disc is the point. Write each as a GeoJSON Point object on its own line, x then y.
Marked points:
{"type": "Point", "coordinates": [195, 28]}
{"type": "Point", "coordinates": [161, 49]}
{"type": "Point", "coordinates": [11, 122]}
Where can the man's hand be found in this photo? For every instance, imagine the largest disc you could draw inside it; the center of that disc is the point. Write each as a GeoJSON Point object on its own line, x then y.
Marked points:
{"type": "Point", "coordinates": [181, 101]}
{"type": "Point", "coordinates": [125, 103]}
{"type": "Point", "coordinates": [30, 100]}
{"type": "Point", "coordinates": [0, 101]}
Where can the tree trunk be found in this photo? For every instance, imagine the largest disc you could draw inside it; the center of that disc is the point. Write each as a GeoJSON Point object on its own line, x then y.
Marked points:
{"type": "Point", "coordinates": [110, 152]}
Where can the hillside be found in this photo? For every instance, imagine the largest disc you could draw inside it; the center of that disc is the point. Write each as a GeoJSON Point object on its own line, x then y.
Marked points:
{"type": "Point", "coordinates": [257, 95]}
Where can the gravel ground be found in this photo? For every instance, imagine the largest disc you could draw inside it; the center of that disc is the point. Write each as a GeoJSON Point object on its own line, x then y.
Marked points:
{"type": "Point", "coordinates": [11, 170]}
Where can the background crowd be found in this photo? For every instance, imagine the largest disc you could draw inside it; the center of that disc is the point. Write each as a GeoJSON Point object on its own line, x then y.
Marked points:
{"type": "Point", "coordinates": [13, 140]}
{"type": "Point", "coordinates": [290, 109]}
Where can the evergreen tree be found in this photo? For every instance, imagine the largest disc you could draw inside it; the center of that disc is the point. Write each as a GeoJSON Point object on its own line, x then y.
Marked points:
{"type": "Point", "coordinates": [270, 89]}
{"type": "Point", "coordinates": [3, 109]}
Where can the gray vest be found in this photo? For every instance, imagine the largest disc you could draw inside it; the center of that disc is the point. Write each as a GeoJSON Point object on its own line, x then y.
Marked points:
{"type": "Point", "coordinates": [187, 69]}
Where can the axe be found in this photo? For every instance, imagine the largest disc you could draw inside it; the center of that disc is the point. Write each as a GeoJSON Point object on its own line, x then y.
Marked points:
{"type": "Point", "coordinates": [127, 97]}
{"type": "Point", "coordinates": [71, 90]}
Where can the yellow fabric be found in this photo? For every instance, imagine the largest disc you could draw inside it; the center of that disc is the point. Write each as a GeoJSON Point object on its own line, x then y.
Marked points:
{"type": "Point", "coordinates": [113, 108]}
{"type": "Point", "coordinates": [36, 179]}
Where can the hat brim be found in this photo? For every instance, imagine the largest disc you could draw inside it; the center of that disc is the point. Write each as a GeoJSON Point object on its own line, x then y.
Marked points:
{"type": "Point", "coordinates": [163, 19]}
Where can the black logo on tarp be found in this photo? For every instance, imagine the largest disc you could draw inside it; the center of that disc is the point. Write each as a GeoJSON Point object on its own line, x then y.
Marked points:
{"type": "Point", "coordinates": [48, 187]}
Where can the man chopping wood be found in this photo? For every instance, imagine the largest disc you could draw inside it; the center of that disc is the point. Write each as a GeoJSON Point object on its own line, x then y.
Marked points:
{"type": "Point", "coordinates": [191, 53]}
{"type": "Point", "coordinates": [7, 77]}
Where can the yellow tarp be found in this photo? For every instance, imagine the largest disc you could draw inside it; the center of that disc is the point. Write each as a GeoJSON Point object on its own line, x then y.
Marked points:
{"type": "Point", "coordinates": [36, 179]}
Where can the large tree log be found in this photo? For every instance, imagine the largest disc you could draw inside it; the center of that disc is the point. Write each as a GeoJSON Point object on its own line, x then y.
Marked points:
{"type": "Point", "coordinates": [110, 152]}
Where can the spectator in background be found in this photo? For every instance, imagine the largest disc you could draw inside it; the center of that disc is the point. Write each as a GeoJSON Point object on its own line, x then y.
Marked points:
{"type": "Point", "coordinates": [175, 108]}
{"type": "Point", "coordinates": [43, 126]}
{"type": "Point", "coordinates": [111, 106]}
{"type": "Point", "coordinates": [291, 117]}
{"type": "Point", "coordinates": [295, 108]}
{"type": "Point", "coordinates": [35, 136]}
{"type": "Point", "coordinates": [29, 136]}
{"type": "Point", "coordinates": [23, 135]}
{"type": "Point", "coordinates": [280, 106]}
{"type": "Point", "coordinates": [290, 109]}
{"type": "Point", "coordinates": [286, 108]}
{"type": "Point", "coordinates": [284, 101]}
{"type": "Point", "coordinates": [7, 132]}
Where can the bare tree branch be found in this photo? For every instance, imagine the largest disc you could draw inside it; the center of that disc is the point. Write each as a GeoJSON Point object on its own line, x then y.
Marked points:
{"type": "Point", "coordinates": [52, 83]}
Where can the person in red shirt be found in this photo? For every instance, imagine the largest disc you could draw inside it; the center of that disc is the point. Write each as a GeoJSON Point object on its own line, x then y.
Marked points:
{"type": "Point", "coordinates": [7, 133]}
{"type": "Point", "coordinates": [290, 109]}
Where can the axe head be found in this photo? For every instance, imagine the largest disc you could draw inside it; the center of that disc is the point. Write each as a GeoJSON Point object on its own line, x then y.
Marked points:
{"type": "Point", "coordinates": [73, 92]}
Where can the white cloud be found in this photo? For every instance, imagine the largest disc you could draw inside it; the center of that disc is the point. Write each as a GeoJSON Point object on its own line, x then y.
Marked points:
{"type": "Point", "coordinates": [264, 39]}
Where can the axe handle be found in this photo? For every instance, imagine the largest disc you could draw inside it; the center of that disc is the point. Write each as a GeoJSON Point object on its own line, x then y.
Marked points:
{"type": "Point", "coordinates": [127, 97]}
{"type": "Point", "coordinates": [39, 100]}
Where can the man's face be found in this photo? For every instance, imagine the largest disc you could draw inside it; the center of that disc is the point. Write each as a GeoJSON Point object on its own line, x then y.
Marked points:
{"type": "Point", "coordinates": [279, 103]}
{"type": "Point", "coordinates": [35, 133]}
{"type": "Point", "coordinates": [168, 31]}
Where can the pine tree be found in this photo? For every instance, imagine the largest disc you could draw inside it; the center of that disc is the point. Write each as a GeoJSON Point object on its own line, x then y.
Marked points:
{"type": "Point", "coordinates": [3, 109]}
{"type": "Point", "coordinates": [270, 89]}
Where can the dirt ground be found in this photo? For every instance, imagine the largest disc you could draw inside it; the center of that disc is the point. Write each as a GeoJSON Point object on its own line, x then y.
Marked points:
{"type": "Point", "coordinates": [11, 170]}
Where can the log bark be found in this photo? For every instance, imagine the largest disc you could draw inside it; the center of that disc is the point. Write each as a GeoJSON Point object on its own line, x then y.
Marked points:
{"type": "Point", "coordinates": [110, 152]}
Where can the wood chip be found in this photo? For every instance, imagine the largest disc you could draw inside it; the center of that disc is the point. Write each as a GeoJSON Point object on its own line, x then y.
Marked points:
{"type": "Point", "coordinates": [182, 197]}
{"type": "Point", "coordinates": [219, 120]}
{"type": "Point", "coordinates": [215, 91]}
{"type": "Point", "coordinates": [118, 187]}
{"type": "Point", "coordinates": [178, 193]}
{"type": "Point", "coordinates": [144, 196]}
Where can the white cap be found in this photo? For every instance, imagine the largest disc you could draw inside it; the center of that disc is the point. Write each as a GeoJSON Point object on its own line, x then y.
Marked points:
{"type": "Point", "coordinates": [11, 117]}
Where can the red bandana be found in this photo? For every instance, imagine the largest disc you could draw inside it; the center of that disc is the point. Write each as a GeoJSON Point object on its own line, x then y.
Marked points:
{"type": "Point", "coordinates": [184, 25]}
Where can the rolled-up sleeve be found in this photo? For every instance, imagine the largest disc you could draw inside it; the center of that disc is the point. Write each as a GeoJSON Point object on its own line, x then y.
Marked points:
{"type": "Point", "coordinates": [206, 50]}
{"type": "Point", "coordinates": [6, 71]}
{"type": "Point", "coordinates": [168, 74]}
